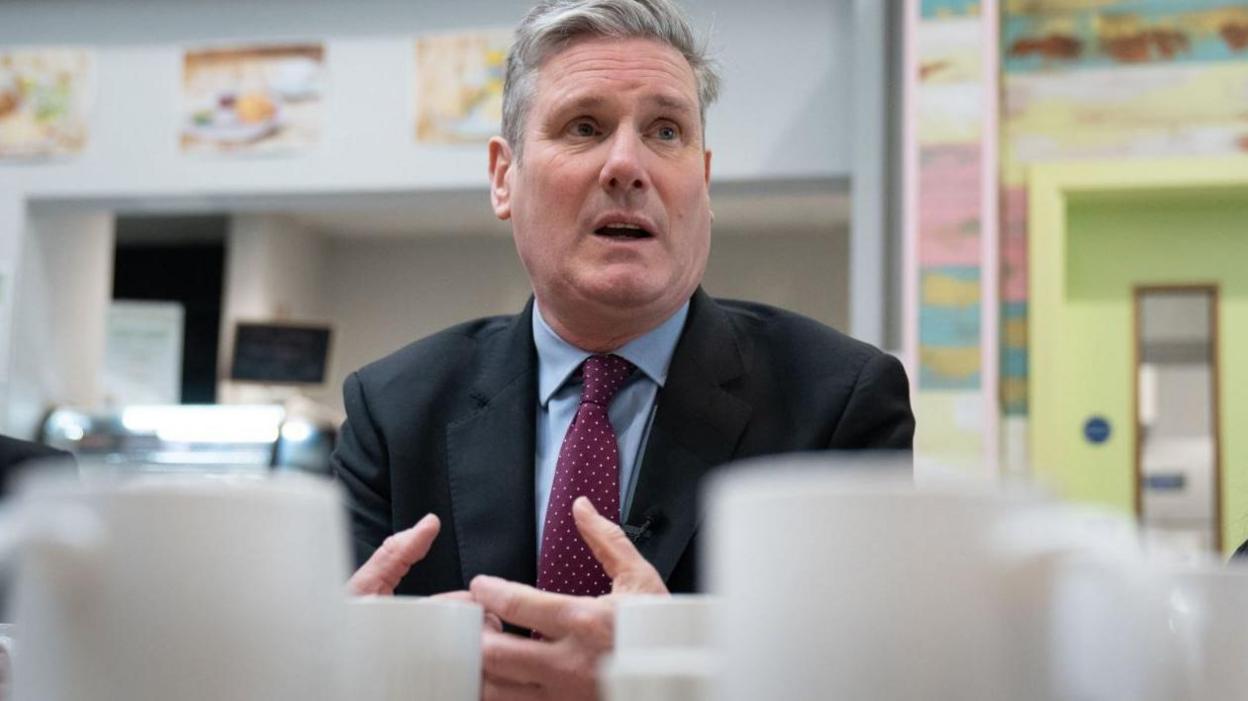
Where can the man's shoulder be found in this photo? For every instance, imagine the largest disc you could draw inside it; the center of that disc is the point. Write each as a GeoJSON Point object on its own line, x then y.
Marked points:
{"type": "Point", "coordinates": [458, 347]}
{"type": "Point", "coordinates": [781, 332]}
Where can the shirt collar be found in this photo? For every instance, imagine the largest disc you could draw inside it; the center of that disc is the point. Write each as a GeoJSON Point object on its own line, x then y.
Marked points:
{"type": "Point", "coordinates": [557, 359]}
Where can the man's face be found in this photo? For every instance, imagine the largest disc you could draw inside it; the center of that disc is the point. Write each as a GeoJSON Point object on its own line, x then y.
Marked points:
{"type": "Point", "coordinates": [610, 206]}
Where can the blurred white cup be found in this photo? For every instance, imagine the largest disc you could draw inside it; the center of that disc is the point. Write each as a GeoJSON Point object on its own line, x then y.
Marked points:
{"type": "Point", "coordinates": [1208, 607]}
{"type": "Point", "coordinates": [178, 588]}
{"type": "Point", "coordinates": [839, 583]}
{"type": "Point", "coordinates": [666, 674]}
{"type": "Point", "coordinates": [647, 622]}
{"type": "Point", "coordinates": [662, 649]}
{"type": "Point", "coordinates": [412, 649]}
{"type": "Point", "coordinates": [7, 650]}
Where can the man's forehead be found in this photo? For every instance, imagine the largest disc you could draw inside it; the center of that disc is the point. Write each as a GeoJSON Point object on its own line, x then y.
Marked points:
{"type": "Point", "coordinates": [617, 58]}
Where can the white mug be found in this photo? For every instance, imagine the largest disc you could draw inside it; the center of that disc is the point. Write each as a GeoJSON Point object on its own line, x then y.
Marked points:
{"type": "Point", "coordinates": [647, 621]}
{"type": "Point", "coordinates": [7, 650]}
{"type": "Point", "coordinates": [838, 583]}
{"type": "Point", "coordinates": [673, 674]}
{"type": "Point", "coordinates": [1208, 607]}
{"type": "Point", "coordinates": [662, 649]}
{"type": "Point", "coordinates": [179, 588]}
{"type": "Point", "coordinates": [412, 649]}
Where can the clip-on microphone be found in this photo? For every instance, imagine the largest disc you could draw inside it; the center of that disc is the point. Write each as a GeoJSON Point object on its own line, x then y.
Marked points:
{"type": "Point", "coordinates": [650, 520]}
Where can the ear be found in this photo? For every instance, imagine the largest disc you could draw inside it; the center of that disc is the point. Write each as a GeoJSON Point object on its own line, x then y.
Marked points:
{"type": "Point", "coordinates": [500, 177]}
{"type": "Point", "coordinates": [706, 156]}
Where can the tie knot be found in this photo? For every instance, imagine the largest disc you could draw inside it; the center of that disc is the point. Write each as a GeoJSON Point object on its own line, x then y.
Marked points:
{"type": "Point", "coordinates": [604, 375]}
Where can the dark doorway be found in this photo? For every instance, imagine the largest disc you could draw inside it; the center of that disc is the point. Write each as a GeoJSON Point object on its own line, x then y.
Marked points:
{"type": "Point", "coordinates": [178, 259]}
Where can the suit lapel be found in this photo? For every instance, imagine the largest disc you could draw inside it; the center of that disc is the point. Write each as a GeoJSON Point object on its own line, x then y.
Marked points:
{"type": "Point", "coordinates": [490, 461]}
{"type": "Point", "coordinates": [697, 426]}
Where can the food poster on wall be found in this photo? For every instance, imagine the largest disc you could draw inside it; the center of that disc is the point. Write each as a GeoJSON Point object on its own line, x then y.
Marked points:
{"type": "Point", "coordinates": [44, 101]}
{"type": "Point", "coordinates": [256, 99]}
{"type": "Point", "coordinates": [458, 88]}
{"type": "Point", "coordinates": [1101, 80]}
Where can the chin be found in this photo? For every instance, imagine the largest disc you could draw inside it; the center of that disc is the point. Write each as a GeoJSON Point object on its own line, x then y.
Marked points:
{"type": "Point", "coordinates": [625, 294]}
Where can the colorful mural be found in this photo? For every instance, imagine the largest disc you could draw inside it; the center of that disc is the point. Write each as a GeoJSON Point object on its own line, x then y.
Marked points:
{"type": "Point", "coordinates": [1100, 33]}
{"type": "Point", "coordinates": [948, 126]}
{"type": "Point", "coordinates": [939, 9]}
{"type": "Point", "coordinates": [1108, 79]}
{"type": "Point", "coordinates": [949, 129]}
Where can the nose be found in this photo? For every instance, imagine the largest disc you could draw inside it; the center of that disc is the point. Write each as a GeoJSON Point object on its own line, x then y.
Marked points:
{"type": "Point", "coordinates": [624, 172]}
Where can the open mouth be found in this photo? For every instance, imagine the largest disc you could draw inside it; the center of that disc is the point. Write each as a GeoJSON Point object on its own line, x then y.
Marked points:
{"type": "Point", "coordinates": [623, 232]}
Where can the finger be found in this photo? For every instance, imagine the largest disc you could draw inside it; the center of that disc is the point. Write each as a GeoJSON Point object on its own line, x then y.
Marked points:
{"type": "Point", "coordinates": [461, 595]}
{"type": "Point", "coordinates": [498, 690]}
{"type": "Point", "coordinates": [628, 570]}
{"type": "Point", "coordinates": [493, 622]}
{"type": "Point", "coordinates": [513, 659]}
{"type": "Point", "coordinates": [388, 565]}
{"type": "Point", "coordinates": [523, 605]}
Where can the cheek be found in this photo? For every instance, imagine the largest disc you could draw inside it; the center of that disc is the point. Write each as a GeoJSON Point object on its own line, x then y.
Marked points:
{"type": "Point", "coordinates": [695, 220]}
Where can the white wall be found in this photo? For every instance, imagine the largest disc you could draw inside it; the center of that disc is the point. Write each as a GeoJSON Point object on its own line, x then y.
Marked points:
{"type": "Point", "coordinates": [386, 293]}
{"type": "Point", "coordinates": [61, 296]}
{"type": "Point", "coordinates": [783, 113]}
{"type": "Point", "coordinates": [803, 272]}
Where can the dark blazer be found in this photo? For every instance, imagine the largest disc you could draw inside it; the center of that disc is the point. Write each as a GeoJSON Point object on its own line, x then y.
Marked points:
{"type": "Point", "coordinates": [1241, 553]}
{"type": "Point", "coordinates": [447, 424]}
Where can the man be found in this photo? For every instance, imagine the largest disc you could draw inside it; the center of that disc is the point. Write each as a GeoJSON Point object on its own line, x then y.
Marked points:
{"type": "Point", "coordinates": [621, 381]}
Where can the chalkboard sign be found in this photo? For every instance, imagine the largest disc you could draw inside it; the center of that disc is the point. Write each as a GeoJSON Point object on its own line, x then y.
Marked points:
{"type": "Point", "coordinates": [280, 354]}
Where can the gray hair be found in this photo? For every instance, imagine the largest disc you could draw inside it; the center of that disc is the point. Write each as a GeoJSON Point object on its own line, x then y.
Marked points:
{"type": "Point", "coordinates": [553, 24]}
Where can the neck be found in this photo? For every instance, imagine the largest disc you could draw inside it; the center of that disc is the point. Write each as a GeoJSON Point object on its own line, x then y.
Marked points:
{"type": "Point", "coordinates": [601, 332]}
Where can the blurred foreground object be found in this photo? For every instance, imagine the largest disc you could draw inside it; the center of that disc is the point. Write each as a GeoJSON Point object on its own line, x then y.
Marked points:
{"type": "Point", "coordinates": [14, 453]}
{"type": "Point", "coordinates": [177, 587]}
{"type": "Point", "coordinates": [191, 438]}
{"type": "Point", "coordinates": [838, 582]}
{"type": "Point", "coordinates": [662, 649]}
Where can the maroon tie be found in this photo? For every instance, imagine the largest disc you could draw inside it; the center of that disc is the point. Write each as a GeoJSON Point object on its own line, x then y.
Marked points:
{"type": "Point", "coordinates": [588, 465]}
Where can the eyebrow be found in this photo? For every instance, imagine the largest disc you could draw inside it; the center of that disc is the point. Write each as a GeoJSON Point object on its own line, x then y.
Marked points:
{"type": "Point", "coordinates": [670, 103]}
{"type": "Point", "coordinates": [667, 102]}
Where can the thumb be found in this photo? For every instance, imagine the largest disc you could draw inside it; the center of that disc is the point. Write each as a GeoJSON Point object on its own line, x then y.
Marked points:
{"type": "Point", "coordinates": [390, 563]}
{"type": "Point", "coordinates": [630, 573]}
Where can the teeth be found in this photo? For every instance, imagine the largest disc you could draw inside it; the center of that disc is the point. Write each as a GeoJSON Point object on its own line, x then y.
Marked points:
{"type": "Point", "coordinates": [622, 226]}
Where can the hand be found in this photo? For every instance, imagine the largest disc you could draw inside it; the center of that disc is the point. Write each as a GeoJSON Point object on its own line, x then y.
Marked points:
{"type": "Point", "coordinates": [576, 630]}
{"type": "Point", "coordinates": [492, 621]}
{"type": "Point", "coordinates": [390, 563]}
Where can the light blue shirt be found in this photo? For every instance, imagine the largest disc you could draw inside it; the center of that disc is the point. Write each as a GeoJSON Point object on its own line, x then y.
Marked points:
{"type": "Point", "coordinates": [631, 412]}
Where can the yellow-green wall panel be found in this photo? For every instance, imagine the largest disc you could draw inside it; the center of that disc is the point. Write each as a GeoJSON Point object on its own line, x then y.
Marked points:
{"type": "Point", "coordinates": [1104, 238]}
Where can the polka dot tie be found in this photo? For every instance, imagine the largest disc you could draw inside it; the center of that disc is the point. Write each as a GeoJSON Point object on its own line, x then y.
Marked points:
{"type": "Point", "coordinates": [588, 465]}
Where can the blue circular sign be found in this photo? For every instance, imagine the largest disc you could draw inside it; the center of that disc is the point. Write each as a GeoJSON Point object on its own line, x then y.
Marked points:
{"type": "Point", "coordinates": [1096, 429]}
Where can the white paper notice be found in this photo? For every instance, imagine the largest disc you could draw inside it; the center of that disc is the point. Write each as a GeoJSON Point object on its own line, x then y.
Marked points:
{"type": "Point", "coordinates": [143, 356]}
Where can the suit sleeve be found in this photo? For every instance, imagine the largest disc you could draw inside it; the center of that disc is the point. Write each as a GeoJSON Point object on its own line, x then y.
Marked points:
{"type": "Point", "coordinates": [877, 415]}
{"type": "Point", "coordinates": [359, 463]}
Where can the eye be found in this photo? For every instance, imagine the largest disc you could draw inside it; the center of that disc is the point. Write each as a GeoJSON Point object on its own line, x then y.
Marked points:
{"type": "Point", "coordinates": [666, 132]}
{"type": "Point", "coordinates": [583, 128]}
